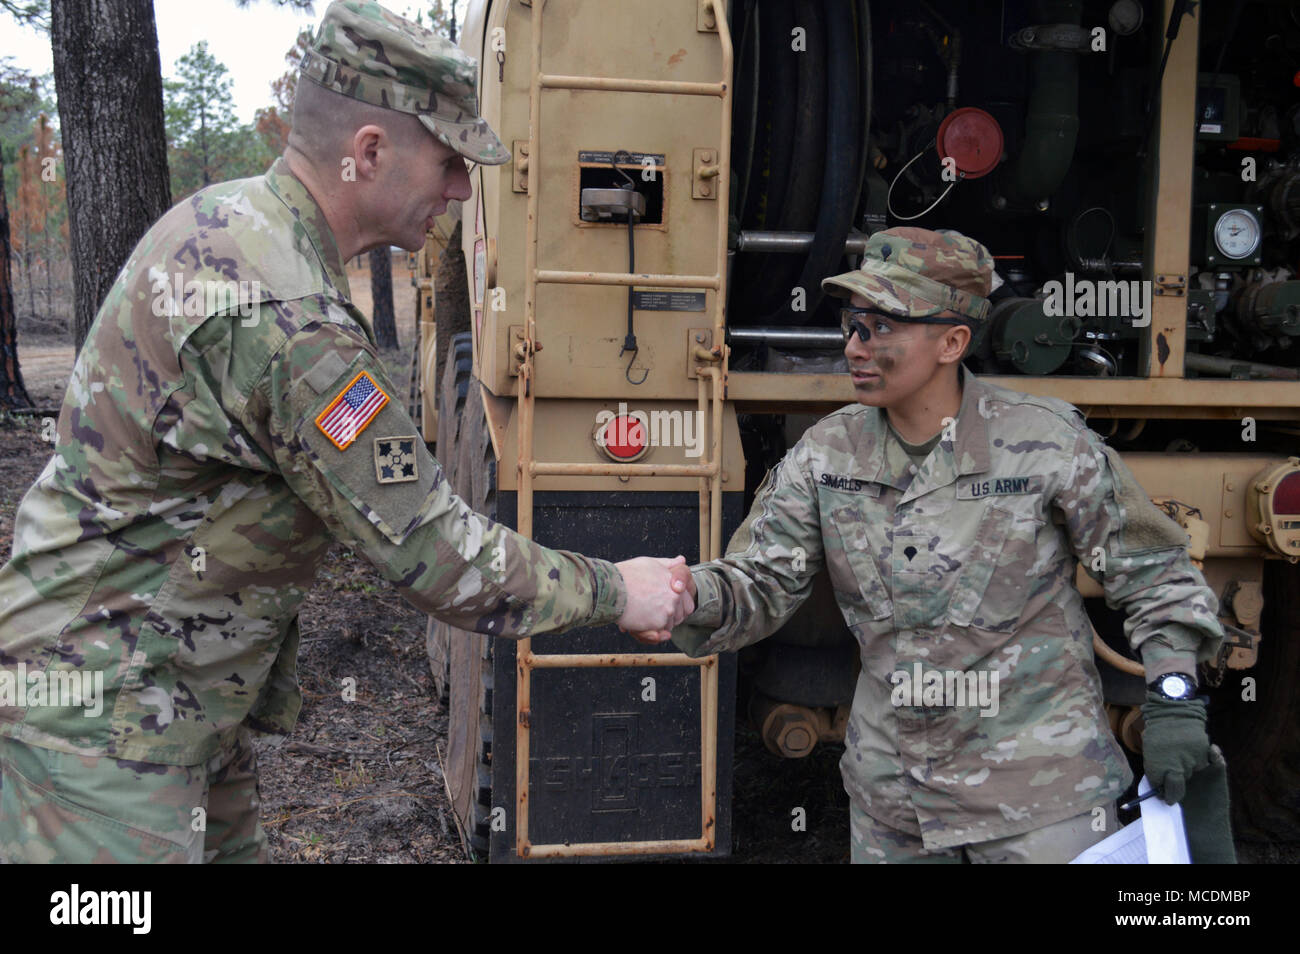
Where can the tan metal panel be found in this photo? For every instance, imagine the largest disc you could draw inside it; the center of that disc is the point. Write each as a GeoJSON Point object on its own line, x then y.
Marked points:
{"type": "Point", "coordinates": [1173, 145]}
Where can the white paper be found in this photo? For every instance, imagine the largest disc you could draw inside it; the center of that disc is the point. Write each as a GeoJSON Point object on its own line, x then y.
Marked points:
{"type": "Point", "coordinates": [1125, 847]}
{"type": "Point", "coordinates": [1158, 837]}
{"type": "Point", "coordinates": [1162, 827]}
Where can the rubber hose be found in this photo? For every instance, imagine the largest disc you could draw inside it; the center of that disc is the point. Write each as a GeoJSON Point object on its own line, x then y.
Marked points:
{"type": "Point", "coordinates": [756, 193]}
{"type": "Point", "coordinates": [782, 65]}
{"type": "Point", "coordinates": [794, 188]}
{"type": "Point", "coordinates": [835, 214]}
{"type": "Point", "coordinates": [744, 111]}
{"type": "Point", "coordinates": [865, 68]}
{"type": "Point", "coordinates": [1122, 663]}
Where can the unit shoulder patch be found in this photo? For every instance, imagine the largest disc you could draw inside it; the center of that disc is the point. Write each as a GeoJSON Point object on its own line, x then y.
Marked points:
{"type": "Point", "coordinates": [395, 459]}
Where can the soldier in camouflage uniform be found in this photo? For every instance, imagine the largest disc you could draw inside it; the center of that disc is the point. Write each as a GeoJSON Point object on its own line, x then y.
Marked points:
{"type": "Point", "coordinates": [228, 416]}
{"type": "Point", "coordinates": [950, 515]}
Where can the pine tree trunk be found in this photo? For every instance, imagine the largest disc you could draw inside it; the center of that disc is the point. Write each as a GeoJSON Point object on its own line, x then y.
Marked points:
{"type": "Point", "coordinates": [12, 392]}
{"type": "Point", "coordinates": [30, 281]}
{"type": "Point", "coordinates": [109, 86]}
{"type": "Point", "coordinates": [381, 294]}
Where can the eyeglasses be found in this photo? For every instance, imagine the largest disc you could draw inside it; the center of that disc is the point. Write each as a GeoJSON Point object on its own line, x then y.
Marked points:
{"type": "Point", "coordinates": [864, 322]}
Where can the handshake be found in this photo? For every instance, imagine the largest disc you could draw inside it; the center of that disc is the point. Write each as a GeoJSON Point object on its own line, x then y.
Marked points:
{"type": "Point", "coordinates": [660, 594]}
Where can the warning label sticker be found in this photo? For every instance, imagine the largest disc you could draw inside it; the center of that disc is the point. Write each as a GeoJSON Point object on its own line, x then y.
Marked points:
{"type": "Point", "coordinates": [667, 300]}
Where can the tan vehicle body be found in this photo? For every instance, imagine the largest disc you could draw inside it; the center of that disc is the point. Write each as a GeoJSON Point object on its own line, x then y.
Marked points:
{"type": "Point", "coordinates": [548, 294]}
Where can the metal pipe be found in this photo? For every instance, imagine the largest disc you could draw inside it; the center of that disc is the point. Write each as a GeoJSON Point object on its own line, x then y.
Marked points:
{"type": "Point", "coordinates": [1227, 367]}
{"type": "Point", "coordinates": [1052, 115]}
{"type": "Point", "coordinates": [757, 240]}
{"type": "Point", "coordinates": [787, 337]}
{"type": "Point", "coordinates": [1104, 265]}
{"type": "Point", "coordinates": [548, 277]}
{"type": "Point", "coordinates": [619, 85]}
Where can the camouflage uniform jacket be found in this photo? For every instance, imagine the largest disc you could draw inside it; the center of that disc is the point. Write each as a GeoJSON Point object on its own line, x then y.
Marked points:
{"type": "Point", "coordinates": [960, 571]}
{"type": "Point", "coordinates": [194, 489]}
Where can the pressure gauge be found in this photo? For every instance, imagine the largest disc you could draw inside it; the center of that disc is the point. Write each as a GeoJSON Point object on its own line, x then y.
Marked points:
{"type": "Point", "coordinates": [1237, 234]}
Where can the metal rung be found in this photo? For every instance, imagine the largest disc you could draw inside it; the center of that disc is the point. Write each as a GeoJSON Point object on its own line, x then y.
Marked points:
{"type": "Point", "coordinates": [593, 660]}
{"type": "Point", "coordinates": [710, 475]}
{"type": "Point", "coordinates": [556, 468]}
{"type": "Point", "coordinates": [618, 848]}
{"type": "Point", "coordinates": [627, 278]}
{"type": "Point", "coordinates": [618, 85]}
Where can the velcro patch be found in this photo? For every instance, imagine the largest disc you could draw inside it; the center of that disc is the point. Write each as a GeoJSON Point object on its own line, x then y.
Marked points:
{"type": "Point", "coordinates": [395, 460]}
{"type": "Point", "coordinates": [968, 489]}
{"type": "Point", "coordinates": [351, 410]}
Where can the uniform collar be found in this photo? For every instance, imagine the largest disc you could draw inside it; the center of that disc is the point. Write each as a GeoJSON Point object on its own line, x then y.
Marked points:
{"type": "Point", "coordinates": [316, 233]}
{"type": "Point", "coordinates": [966, 453]}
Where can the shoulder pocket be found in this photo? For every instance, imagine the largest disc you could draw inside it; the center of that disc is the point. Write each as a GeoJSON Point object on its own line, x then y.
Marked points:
{"type": "Point", "coordinates": [382, 467]}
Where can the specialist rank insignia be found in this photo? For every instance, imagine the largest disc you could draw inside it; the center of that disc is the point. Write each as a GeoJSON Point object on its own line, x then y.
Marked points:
{"type": "Point", "coordinates": [395, 461]}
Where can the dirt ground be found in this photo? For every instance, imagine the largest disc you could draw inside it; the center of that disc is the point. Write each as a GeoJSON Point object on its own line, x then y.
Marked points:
{"type": "Point", "coordinates": [361, 780]}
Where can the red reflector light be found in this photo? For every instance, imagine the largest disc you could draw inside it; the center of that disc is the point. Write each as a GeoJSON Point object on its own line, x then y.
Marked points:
{"type": "Point", "coordinates": [972, 138]}
{"type": "Point", "coordinates": [625, 438]}
{"type": "Point", "coordinates": [1286, 498]}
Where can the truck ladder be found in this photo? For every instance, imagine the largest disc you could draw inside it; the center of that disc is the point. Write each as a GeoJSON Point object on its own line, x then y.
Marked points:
{"type": "Point", "coordinates": [712, 369]}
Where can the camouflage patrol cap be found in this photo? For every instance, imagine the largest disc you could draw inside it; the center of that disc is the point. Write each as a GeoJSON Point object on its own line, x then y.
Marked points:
{"type": "Point", "coordinates": [368, 53]}
{"type": "Point", "coordinates": [916, 273]}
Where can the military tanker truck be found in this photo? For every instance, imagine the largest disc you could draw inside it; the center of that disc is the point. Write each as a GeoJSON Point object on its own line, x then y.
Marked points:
{"type": "Point", "coordinates": [626, 330]}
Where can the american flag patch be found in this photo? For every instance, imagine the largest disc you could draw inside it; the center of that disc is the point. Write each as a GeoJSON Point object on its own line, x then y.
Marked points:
{"type": "Point", "coordinates": [349, 413]}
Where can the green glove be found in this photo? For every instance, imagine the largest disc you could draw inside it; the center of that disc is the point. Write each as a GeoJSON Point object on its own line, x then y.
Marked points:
{"type": "Point", "coordinates": [1174, 744]}
{"type": "Point", "coordinates": [1205, 814]}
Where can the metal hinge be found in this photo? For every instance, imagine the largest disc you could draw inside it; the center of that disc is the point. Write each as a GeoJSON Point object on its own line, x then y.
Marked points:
{"type": "Point", "coordinates": [1171, 285]}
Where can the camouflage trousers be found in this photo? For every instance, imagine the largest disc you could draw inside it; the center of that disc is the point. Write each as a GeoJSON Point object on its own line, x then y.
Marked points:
{"type": "Point", "coordinates": [57, 807]}
{"type": "Point", "coordinates": [877, 843]}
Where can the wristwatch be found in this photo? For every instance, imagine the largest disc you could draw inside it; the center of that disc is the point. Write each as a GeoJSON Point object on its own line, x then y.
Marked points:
{"type": "Point", "coordinates": [1174, 685]}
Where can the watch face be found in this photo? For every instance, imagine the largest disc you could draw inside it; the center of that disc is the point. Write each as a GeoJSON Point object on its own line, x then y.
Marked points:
{"type": "Point", "coordinates": [1175, 685]}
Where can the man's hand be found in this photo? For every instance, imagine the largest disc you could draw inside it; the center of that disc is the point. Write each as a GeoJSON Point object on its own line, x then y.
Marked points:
{"type": "Point", "coordinates": [660, 594]}
{"type": "Point", "coordinates": [1174, 744]}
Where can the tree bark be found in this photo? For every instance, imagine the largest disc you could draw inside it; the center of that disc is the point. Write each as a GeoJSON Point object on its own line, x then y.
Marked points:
{"type": "Point", "coordinates": [381, 294]}
{"type": "Point", "coordinates": [12, 392]}
{"type": "Point", "coordinates": [109, 86]}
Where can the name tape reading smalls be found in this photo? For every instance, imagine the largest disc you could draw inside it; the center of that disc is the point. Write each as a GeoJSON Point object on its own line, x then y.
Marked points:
{"type": "Point", "coordinates": [853, 485]}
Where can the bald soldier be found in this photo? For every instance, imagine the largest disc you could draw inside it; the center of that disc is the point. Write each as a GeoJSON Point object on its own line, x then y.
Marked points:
{"type": "Point", "coordinates": [951, 515]}
{"type": "Point", "coordinates": [227, 417]}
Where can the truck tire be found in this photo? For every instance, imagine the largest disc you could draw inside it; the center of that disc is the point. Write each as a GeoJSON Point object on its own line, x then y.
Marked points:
{"type": "Point", "coordinates": [1261, 738]}
{"type": "Point", "coordinates": [450, 298]}
{"type": "Point", "coordinates": [451, 404]}
{"type": "Point", "coordinates": [469, 723]}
